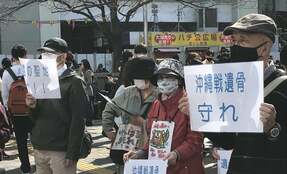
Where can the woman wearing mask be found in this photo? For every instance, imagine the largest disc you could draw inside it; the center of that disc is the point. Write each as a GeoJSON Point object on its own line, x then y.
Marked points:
{"type": "Point", "coordinates": [185, 154]}
{"type": "Point", "coordinates": [136, 100]}
{"type": "Point", "coordinates": [87, 73]}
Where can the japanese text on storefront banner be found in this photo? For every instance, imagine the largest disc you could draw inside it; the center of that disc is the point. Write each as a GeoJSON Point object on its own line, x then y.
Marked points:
{"type": "Point", "coordinates": [194, 39]}
{"type": "Point", "coordinates": [226, 97]}
{"type": "Point", "coordinates": [41, 77]}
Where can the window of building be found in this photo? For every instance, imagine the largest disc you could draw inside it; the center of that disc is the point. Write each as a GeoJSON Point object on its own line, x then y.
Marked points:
{"type": "Point", "coordinates": [210, 17]}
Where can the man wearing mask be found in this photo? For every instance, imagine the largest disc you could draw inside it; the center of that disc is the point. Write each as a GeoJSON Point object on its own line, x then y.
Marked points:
{"type": "Point", "coordinates": [253, 36]}
{"type": "Point", "coordinates": [58, 123]}
{"type": "Point", "coordinates": [22, 124]}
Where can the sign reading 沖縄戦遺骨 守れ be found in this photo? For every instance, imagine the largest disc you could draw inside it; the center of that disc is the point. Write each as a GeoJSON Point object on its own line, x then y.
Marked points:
{"type": "Point", "coordinates": [225, 97]}
{"type": "Point", "coordinates": [41, 78]}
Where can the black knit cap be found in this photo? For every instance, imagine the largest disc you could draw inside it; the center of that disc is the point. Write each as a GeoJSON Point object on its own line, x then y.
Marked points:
{"type": "Point", "coordinates": [141, 68]}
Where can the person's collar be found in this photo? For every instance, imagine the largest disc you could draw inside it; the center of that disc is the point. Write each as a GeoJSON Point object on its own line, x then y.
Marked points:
{"type": "Point", "coordinates": [269, 69]}
{"type": "Point", "coordinates": [62, 69]}
{"type": "Point", "coordinates": [16, 62]}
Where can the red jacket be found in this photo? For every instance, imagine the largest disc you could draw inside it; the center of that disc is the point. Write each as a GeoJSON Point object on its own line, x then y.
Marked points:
{"type": "Point", "coordinates": [187, 143]}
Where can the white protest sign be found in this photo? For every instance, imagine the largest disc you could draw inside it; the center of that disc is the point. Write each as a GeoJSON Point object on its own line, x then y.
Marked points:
{"type": "Point", "coordinates": [160, 139]}
{"type": "Point", "coordinates": [225, 97]}
{"type": "Point", "coordinates": [223, 162]}
{"type": "Point", "coordinates": [128, 137]}
{"type": "Point", "coordinates": [145, 167]}
{"type": "Point", "coordinates": [41, 78]}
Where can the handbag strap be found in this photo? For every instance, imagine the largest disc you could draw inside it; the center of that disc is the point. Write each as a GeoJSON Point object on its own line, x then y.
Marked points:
{"type": "Point", "coordinates": [272, 85]}
{"type": "Point", "coordinates": [3, 111]}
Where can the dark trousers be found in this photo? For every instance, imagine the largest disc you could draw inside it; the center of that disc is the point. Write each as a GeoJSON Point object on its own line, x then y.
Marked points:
{"type": "Point", "coordinates": [22, 126]}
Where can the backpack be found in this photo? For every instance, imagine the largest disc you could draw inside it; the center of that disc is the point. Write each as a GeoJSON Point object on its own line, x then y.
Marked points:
{"type": "Point", "coordinates": [17, 95]}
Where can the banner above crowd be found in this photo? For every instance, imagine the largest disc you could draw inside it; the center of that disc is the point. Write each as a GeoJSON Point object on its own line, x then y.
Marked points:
{"type": "Point", "coordinates": [193, 39]}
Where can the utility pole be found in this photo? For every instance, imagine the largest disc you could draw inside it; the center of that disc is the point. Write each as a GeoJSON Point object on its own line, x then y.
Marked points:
{"type": "Point", "coordinates": [145, 24]}
{"type": "Point", "coordinates": [203, 19]}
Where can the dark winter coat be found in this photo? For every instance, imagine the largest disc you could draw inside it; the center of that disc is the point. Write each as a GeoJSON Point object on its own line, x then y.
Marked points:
{"type": "Point", "coordinates": [59, 123]}
{"type": "Point", "coordinates": [256, 153]}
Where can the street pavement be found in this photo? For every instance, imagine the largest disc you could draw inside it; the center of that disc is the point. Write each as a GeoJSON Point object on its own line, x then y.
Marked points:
{"type": "Point", "coordinates": [97, 162]}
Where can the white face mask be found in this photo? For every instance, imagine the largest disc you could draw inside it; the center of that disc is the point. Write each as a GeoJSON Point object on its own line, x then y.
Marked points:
{"type": "Point", "coordinates": [167, 85]}
{"type": "Point", "coordinates": [141, 84]}
{"type": "Point", "coordinates": [47, 55]}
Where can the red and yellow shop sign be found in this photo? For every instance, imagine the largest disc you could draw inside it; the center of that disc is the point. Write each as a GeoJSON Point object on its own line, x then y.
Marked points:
{"type": "Point", "coordinates": [192, 39]}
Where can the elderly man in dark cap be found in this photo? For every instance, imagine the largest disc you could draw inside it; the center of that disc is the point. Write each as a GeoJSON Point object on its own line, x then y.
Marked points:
{"type": "Point", "coordinates": [253, 36]}
{"type": "Point", "coordinates": [58, 127]}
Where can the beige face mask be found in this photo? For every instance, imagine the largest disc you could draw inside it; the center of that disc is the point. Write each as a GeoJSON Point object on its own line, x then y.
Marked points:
{"type": "Point", "coordinates": [49, 56]}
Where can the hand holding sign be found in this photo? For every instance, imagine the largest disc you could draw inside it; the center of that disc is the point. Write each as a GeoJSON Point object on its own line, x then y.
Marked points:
{"type": "Point", "coordinates": [171, 158]}
{"type": "Point", "coordinates": [268, 116]}
{"type": "Point", "coordinates": [183, 104]}
{"type": "Point", "coordinates": [30, 101]}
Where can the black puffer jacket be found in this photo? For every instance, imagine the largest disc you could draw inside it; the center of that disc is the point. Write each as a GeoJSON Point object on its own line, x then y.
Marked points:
{"type": "Point", "coordinates": [59, 123]}
{"type": "Point", "coordinates": [256, 153]}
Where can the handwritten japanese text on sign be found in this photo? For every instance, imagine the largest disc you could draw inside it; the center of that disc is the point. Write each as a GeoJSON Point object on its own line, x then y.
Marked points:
{"type": "Point", "coordinates": [41, 78]}
{"type": "Point", "coordinates": [128, 137]}
{"type": "Point", "coordinates": [145, 167]}
{"type": "Point", "coordinates": [225, 97]}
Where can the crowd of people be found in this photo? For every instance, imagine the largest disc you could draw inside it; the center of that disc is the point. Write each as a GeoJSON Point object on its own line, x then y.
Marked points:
{"type": "Point", "coordinates": [146, 92]}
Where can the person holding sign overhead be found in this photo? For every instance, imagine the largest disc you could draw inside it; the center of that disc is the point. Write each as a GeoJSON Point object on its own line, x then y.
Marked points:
{"type": "Point", "coordinates": [58, 122]}
{"type": "Point", "coordinates": [257, 153]}
{"type": "Point", "coordinates": [169, 130]}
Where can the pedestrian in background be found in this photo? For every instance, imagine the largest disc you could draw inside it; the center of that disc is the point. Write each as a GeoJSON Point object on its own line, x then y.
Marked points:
{"type": "Point", "coordinates": [193, 58]}
{"type": "Point", "coordinates": [88, 75]}
{"type": "Point", "coordinates": [6, 63]}
{"type": "Point", "coordinates": [283, 57]}
{"type": "Point", "coordinates": [22, 124]}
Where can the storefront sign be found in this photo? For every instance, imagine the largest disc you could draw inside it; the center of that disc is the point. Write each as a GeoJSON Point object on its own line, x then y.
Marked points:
{"type": "Point", "coordinates": [192, 39]}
